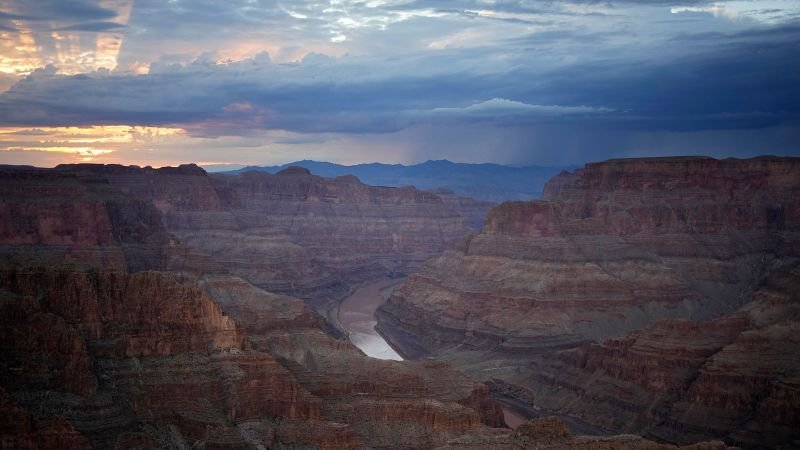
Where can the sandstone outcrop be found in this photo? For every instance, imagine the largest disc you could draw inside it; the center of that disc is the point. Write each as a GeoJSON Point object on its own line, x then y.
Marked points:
{"type": "Point", "coordinates": [627, 299]}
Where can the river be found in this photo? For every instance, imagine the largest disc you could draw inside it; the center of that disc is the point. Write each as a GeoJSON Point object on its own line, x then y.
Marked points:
{"type": "Point", "coordinates": [357, 316]}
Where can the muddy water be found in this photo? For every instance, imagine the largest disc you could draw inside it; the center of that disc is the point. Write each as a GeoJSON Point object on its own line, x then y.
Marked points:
{"type": "Point", "coordinates": [357, 317]}
{"type": "Point", "coordinates": [513, 420]}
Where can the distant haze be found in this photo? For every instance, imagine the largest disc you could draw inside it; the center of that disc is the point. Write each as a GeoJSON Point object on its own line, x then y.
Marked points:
{"type": "Point", "coordinates": [491, 182]}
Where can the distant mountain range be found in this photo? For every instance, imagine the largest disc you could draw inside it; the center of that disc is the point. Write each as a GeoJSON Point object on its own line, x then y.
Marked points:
{"type": "Point", "coordinates": [492, 182]}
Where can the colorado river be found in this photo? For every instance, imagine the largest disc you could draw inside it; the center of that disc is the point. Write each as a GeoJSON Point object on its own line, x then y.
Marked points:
{"type": "Point", "coordinates": [357, 316]}
{"type": "Point", "coordinates": [513, 420]}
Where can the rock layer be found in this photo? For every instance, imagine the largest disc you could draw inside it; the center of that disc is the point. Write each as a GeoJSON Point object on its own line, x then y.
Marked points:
{"type": "Point", "coordinates": [293, 232]}
{"type": "Point", "coordinates": [617, 248]}
{"type": "Point", "coordinates": [735, 377]}
{"type": "Point", "coordinates": [472, 210]}
{"type": "Point", "coordinates": [183, 354]}
{"type": "Point", "coordinates": [116, 335]}
{"type": "Point", "coordinates": [338, 230]}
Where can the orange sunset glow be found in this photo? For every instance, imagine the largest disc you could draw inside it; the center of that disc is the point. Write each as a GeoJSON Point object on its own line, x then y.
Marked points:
{"type": "Point", "coordinates": [84, 144]}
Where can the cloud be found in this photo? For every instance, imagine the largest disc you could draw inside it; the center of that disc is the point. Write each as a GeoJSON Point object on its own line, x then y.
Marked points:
{"type": "Point", "coordinates": [743, 80]}
{"type": "Point", "coordinates": [716, 9]}
{"type": "Point", "coordinates": [94, 27]}
{"type": "Point", "coordinates": [323, 76]}
{"type": "Point", "coordinates": [500, 107]}
{"type": "Point", "coordinates": [62, 10]}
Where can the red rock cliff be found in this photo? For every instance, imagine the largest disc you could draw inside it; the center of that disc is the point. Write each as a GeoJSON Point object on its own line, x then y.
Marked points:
{"type": "Point", "coordinates": [620, 246]}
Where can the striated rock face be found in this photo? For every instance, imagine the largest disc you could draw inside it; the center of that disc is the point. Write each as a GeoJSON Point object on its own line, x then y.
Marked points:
{"type": "Point", "coordinates": [734, 377]}
{"type": "Point", "coordinates": [184, 354]}
{"type": "Point", "coordinates": [473, 211]}
{"type": "Point", "coordinates": [325, 231]}
{"type": "Point", "coordinates": [139, 359]}
{"type": "Point", "coordinates": [116, 353]}
{"type": "Point", "coordinates": [72, 219]}
{"type": "Point", "coordinates": [126, 315]}
{"type": "Point", "coordinates": [19, 430]}
{"type": "Point", "coordinates": [551, 433]}
{"type": "Point", "coordinates": [388, 404]}
{"type": "Point", "coordinates": [619, 247]}
{"type": "Point", "coordinates": [178, 193]}
{"type": "Point", "coordinates": [548, 428]}
{"type": "Point", "coordinates": [293, 232]}
{"type": "Point", "coordinates": [33, 211]}
{"type": "Point", "coordinates": [122, 337]}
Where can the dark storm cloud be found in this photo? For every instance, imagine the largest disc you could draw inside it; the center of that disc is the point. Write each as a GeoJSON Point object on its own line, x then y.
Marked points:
{"type": "Point", "coordinates": [94, 27]}
{"type": "Point", "coordinates": [579, 79]}
{"type": "Point", "coordinates": [735, 80]}
{"type": "Point", "coordinates": [464, 6]}
{"type": "Point", "coordinates": [740, 81]}
{"type": "Point", "coordinates": [69, 10]}
{"type": "Point", "coordinates": [571, 36]}
{"type": "Point", "coordinates": [535, 7]}
{"type": "Point", "coordinates": [56, 15]}
{"type": "Point", "coordinates": [787, 32]}
{"type": "Point", "coordinates": [8, 16]}
{"type": "Point", "coordinates": [163, 15]}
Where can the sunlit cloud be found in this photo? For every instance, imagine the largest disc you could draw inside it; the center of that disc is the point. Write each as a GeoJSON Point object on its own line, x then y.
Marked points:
{"type": "Point", "coordinates": [83, 143]}
{"type": "Point", "coordinates": [716, 10]}
{"type": "Point", "coordinates": [84, 154]}
{"type": "Point", "coordinates": [501, 107]}
{"type": "Point", "coordinates": [39, 37]}
{"type": "Point", "coordinates": [19, 54]}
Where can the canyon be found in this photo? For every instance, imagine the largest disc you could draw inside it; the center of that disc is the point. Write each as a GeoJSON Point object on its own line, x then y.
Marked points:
{"type": "Point", "coordinates": [170, 308]}
{"type": "Point", "coordinates": [117, 335]}
{"type": "Point", "coordinates": [649, 296]}
{"type": "Point", "coordinates": [293, 232]}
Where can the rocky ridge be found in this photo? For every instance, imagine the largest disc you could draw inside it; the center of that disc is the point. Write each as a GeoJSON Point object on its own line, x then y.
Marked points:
{"type": "Point", "coordinates": [621, 298]}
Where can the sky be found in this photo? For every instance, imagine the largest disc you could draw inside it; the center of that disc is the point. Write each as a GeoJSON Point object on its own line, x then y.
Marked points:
{"type": "Point", "coordinates": [520, 82]}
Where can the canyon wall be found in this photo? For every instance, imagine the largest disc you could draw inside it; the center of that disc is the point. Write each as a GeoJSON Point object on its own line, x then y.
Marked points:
{"type": "Point", "coordinates": [734, 377]}
{"type": "Point", "coordinates": [293, 232]}
{"type": "Point", "coordinates": [552, 298]}
{"type": "Point", "coordinates": [116, 335]}
{"type": "Point", "coordinates": [350, 232]}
